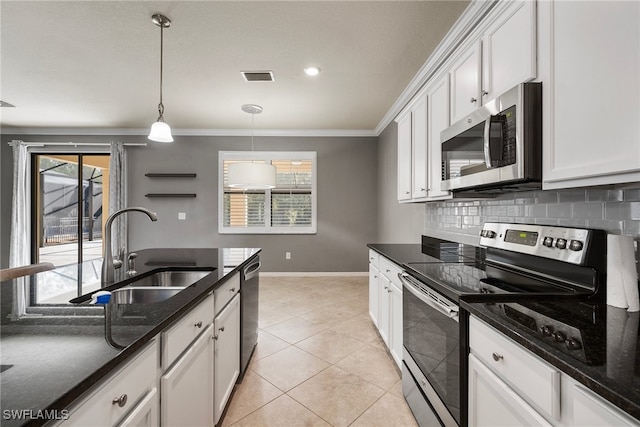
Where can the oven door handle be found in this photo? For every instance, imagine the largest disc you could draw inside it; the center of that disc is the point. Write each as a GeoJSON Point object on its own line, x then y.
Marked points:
{"type": "Point", "coordinates": [450, 312]}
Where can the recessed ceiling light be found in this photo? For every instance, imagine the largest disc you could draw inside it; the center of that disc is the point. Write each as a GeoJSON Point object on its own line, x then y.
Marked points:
{"type": "Point", "coordinates": [312, 71]}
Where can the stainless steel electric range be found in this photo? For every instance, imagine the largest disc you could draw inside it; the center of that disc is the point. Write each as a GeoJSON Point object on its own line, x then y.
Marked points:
{"type": "Point", "coordinates": [515, 261]}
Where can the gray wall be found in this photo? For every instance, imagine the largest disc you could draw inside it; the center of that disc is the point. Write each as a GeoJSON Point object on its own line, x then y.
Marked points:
{"type": "Point", "coordinates": [347, 200]}
{"type": "Point", "coordinates": [398, 223]}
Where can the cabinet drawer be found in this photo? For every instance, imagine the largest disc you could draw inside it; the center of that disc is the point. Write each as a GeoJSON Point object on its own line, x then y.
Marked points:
{"type": "Point", "coordinates": [181, 334]}
{"type": "Point", "coordinates": [226, 292]}
{"type": "Point", "coordinates": [374, 258]}
{"type": "Point", "coordinates": [532, 378]}
{"type": "Point", "coordinates": [130, 384]}
{"type": "Point", "coordinates": [391, 271]}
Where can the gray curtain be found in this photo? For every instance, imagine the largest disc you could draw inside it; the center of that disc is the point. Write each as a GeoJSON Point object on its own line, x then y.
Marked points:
{"type": "Point", "coordinates": [19, 248]}
{"type": "Point", "coordinates": [118, 195]}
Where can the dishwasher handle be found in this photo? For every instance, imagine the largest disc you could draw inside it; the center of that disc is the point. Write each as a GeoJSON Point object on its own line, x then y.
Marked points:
{"type": "Point", "coordinates": [252, 270]}
{"type": "Point", "coordinates": [432, 299]}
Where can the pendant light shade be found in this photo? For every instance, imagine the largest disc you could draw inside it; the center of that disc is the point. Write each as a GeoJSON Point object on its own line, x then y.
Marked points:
{"type": "Point", "coordinates": [160, 130]}
{"type": "Point", "coordinates": [247, 175]}
{"type": "Point", "coordinates": [252, 176]}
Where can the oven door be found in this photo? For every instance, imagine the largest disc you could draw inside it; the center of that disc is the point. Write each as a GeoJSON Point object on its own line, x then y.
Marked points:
{"type": "Point", "coordinates": [431, 338]}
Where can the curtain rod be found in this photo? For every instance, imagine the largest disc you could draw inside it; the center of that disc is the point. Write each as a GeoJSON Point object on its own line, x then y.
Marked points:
{"type": "Point", "coordinates": [75, 144]}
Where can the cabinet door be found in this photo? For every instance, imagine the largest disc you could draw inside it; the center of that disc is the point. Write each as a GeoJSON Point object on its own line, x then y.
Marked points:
{"type": "Point", "coordinates": [145, 413]}
{"type": "Point", "coordinates": [493, 403]}
{"type": "Point", "coordinates": [591, 410]}
{"type": "Point", "coordinates": [590, 92]}
{"type": "Point", "coordinates": [227, 354]}
{"type": "Point", "coordinates": [395, 346]}
{"type": "Point", "coordinates": [404, 157]}
{"type": "Point", "coordinates": [131, 384]}
{"type": "Point", "coordinates": [509, 49]}
{"type": "Point", "coordinates": [465, 83]}
{"type": "Point", "coordinates": [374, 296]}
{"type": "Point", "coordinates": [186, 390]}
{"type": "Point", "coordinates": [419, 154]}
{"type": "Point", "coordinates": [438, 120]}
{"type": "Point", "coordinates": [384, 314]}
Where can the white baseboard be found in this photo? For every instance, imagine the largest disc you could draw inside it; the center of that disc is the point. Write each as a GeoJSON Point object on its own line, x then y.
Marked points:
{"type": "Point", "coordinates": [314, 274]}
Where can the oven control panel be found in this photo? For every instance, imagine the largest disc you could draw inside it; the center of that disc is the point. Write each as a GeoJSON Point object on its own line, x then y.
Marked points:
{"type": "Point", "coordinates": [559, 243]}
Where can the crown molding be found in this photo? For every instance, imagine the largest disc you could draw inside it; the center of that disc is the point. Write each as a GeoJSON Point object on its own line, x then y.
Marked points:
{"type": "Point", "coordinates": [193, 132]}
{"type": "Point", "coordinates": [465, 24]}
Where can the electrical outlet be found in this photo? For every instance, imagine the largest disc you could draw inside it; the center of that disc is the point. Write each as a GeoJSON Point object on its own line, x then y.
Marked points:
{"type": "Point", "coordinates": [182, 215]}
{"type": "Point", "coordinates": [287, 255]}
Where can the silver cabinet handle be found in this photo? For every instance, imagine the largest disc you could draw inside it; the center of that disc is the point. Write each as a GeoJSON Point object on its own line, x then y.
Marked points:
{"type": "Point", "coordinates": [232, 290]}
{"type": "Point", "coordinates": [221, 329]}
{"type": "Point", "coordinates": [473, 100]}
{"type": "Point", "coordinates": [198, 325]}
{"type": "Point", "coordinates": [120, 401]}
{"type": "Point", "coordinates": [215, 337]}
{"type": "Point", "coordinates": [407, 192]}
{"type": "Point", "coordinates": [497, 357]}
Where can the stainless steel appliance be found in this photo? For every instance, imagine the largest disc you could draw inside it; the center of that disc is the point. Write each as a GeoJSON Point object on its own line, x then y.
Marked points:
{"type": "Point", "coordinates": [515, 261]}
{"type": "Point", "coordinates": [498, 146]}
{"type": "Point", "coordinates": [249, 294]}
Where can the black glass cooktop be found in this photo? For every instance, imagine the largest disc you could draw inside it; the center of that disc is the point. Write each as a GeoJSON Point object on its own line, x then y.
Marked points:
{"type": "Point", "coordinates": [470, 277]}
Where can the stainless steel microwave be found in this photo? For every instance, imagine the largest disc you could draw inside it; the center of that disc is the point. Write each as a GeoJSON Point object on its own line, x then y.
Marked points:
{"type": "Point", "coordinates": [498, 147]}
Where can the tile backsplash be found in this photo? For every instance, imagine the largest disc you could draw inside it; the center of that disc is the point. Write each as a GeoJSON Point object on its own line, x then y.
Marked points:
{"type": "Point", "coordinates": [614, 210]}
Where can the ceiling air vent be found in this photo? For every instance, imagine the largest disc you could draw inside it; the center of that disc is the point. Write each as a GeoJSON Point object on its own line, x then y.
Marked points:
{"type": "Point", "coordinates": [257, 76]}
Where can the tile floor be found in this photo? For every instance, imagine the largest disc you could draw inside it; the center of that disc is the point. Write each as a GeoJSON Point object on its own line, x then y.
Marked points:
{"type": "Point", "coordinates": [319, 360]}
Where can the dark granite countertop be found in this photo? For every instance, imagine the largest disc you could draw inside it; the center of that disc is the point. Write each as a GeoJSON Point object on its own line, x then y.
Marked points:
{"type": "Point", "coordinates": [610, 363]}
{"type": "Point", "coordinates": [51, 353]}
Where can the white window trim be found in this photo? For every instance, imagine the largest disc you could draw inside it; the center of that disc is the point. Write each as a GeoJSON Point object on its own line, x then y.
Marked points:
{"type": "Point", "coordinates": [268, 156]}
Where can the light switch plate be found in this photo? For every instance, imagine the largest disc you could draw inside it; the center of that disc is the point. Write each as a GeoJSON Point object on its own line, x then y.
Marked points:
{"type": "Point", "coordinates": [182, 215]}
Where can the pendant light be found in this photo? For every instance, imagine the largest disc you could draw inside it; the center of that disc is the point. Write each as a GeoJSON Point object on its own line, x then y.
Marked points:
{"type": "Point", "coordinates": [248, 175]}
{"type": "Point", "coordinates": [160, 130]}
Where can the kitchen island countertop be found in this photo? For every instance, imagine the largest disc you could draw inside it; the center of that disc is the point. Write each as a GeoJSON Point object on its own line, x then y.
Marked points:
{"type": "Point", "coordinates": [51, 354]}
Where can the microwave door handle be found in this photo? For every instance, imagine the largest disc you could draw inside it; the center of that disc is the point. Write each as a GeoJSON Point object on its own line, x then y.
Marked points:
{"type": "Point", "coordinates": [487, 145]}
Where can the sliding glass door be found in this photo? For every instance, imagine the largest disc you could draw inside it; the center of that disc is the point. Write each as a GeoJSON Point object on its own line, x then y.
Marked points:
{"type": "Point", "coordinates": [69, 205]}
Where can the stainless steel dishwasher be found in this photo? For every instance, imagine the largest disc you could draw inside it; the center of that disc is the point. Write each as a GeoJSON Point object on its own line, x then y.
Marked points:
{"type": "Point", "coordinates": [250, 293]}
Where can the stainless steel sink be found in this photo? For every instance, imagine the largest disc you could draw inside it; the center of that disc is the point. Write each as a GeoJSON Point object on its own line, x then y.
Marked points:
{"type": "Point", "coordinates": [143, 295]}
{"type": "Point", "coordinates": [171, 278]}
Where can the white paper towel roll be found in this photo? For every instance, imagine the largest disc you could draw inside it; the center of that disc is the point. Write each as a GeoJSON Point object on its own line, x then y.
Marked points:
{"type": "Point", "coordinates": [622, 278]}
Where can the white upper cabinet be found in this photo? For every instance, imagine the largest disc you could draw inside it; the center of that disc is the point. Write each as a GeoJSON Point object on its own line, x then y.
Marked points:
{"type": "Point", "coordinates": [589, 65]}
{"type": "Point", "coordinates": [509, 49]}
{"type": "Point", "coordinates": [465, 82]}
{"type": "Point", "coordinates": [404, 157]}
{"type": "Point", "coordinates": [503, 56]}
{"type": "Point", "coordinates": [419, 139]}
{"type": "Point", "coordinates": [437, 121]}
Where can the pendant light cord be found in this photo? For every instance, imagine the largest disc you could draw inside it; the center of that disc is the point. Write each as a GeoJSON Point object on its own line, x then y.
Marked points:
{"type": "Point", "coordinates": [252, 116]}
{"type": "Point", "coordinates": [161, 105]}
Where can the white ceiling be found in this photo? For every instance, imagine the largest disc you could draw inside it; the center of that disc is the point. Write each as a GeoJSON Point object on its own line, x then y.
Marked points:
{"type": "Point", "coordinates": [95, 64]}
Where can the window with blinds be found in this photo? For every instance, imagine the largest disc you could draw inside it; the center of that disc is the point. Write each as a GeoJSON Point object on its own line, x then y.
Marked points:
{"type": "Point", "coordinates": [290, 207]}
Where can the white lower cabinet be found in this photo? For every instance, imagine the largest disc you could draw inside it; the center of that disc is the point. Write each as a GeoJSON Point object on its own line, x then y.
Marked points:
{"type": "Point", "coordinates": [186, 389]}
{"type": "Point", "coordinates": [386, 305]}
{"type": "Point", "coordinates": [128, 398]}
{"type": "Point", "coordinates": [493, 403]}
{"type": "Point", "coordinates": [226, 354]}
{"type": "Point", "coordinates": [374, 273]}
{"type": "Point", "coordinates": [145, 413]}
{"type": "Point", "coordinates": [508, 386]}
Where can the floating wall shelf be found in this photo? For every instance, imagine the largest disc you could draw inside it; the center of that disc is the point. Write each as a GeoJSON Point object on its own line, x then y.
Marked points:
{"type": "Point", "coordinates": [170, 195]}
{"type": "Point", "coordinates": [169, 175]}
